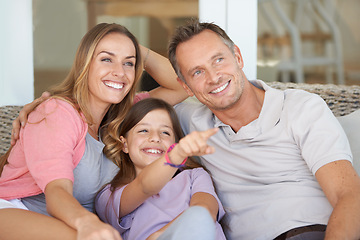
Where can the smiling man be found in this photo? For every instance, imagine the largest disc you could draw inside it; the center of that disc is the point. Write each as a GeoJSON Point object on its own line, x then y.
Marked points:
{"type": "Point", "coordinates": [283, 165]}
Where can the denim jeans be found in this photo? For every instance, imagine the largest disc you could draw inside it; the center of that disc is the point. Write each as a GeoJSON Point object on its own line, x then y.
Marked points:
{"type": "Point", "coordinates": [195, 223]}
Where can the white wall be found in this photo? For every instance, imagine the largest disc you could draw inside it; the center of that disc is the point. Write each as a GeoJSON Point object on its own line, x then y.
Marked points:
{"type": "Point", "coordinates": [239, 19]}
{"type": "Point", "coordinates": [16, 51]}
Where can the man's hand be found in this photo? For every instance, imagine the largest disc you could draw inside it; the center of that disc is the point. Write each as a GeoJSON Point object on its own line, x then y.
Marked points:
{"type": "Point", "coordinates": [21, 120]}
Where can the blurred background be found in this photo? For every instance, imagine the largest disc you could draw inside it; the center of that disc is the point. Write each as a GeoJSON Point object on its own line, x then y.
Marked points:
{"type": "Point", "coordinates": [151, 21]}
{"type": "Point", "coordinates": [312, 41]}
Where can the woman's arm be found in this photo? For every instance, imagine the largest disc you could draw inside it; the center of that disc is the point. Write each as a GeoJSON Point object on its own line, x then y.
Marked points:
{"type": "Point", "coordinates": [62, 205]}
{"type": "Point", "coordinates": [53, 144]}
{"type": "Point", "coordinates": [156, 175]}
{"type": "Point", "coordinates": [160, 69]}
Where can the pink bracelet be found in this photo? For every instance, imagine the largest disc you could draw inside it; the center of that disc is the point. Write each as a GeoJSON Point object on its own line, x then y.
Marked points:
{"type": "Point", "coordinates": [168, 162]}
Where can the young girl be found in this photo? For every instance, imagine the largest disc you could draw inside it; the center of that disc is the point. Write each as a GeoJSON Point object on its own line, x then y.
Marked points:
{"type": "Point", "coordinates": [151, 189]}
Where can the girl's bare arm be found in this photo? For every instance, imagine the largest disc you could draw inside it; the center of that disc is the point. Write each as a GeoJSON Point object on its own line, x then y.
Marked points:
{"type": "Point", "coordinates": [156, 175]}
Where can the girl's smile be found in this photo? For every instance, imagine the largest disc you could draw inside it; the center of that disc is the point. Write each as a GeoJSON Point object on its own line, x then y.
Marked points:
{"type": "Point", "coordinates": [149, 139]}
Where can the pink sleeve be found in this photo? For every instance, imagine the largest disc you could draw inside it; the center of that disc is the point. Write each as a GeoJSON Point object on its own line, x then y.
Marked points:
{"type": "Point", "coordinates": [141, 96]}
{"type": "Point", "coordinates": [53, 141]}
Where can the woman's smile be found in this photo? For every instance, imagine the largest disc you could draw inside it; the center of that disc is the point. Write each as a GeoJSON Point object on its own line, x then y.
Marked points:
{"type": "Point", "coordinates": [112, 84]}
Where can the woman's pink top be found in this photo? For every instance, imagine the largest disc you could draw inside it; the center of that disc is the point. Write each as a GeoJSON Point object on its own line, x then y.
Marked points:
{"type": "Point", "coordinates": [50, 146]}
{"type": "Point", "coordinates": [45, 151]}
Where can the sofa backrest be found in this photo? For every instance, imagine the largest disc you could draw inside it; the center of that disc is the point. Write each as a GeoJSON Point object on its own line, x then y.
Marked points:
{"type": "Point", "coordinates": [341, 99]}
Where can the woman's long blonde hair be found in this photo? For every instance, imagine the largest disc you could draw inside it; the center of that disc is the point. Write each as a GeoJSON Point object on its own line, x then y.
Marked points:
{"type": "Point", "coordinates": [75, 88]}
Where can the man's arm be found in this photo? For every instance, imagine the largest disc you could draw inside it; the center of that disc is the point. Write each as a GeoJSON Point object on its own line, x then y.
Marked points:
{"type": "Point", "coordinates": [341, 185]}
{"type": "Point", "coordinates": [21, 120]}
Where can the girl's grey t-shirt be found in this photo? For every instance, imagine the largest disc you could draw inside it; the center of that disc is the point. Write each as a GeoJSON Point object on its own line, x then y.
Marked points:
{"type": "Point", "coordinates": [90, 175]}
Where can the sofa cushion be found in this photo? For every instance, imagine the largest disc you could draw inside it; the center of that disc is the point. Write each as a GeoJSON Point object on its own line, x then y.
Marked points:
{"type": "Point", "coordinates": [351, 125]}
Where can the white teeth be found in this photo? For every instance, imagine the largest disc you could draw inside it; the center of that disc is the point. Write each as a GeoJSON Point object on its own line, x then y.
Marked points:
{"type": "Point", "coordinates": [114, 85]}
{"type": "Point", "coordinates": [154, 151]}
{"type": "Point", "coordinates": [220, 88]}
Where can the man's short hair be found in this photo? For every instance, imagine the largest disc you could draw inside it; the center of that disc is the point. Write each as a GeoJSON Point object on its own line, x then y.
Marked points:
{"type": "Point", "coordinates": [189, 30]}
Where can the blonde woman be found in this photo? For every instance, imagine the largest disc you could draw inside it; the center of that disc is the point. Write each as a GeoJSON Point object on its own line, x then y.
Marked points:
{"type": "Point", "coordinates": [57, 166]}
